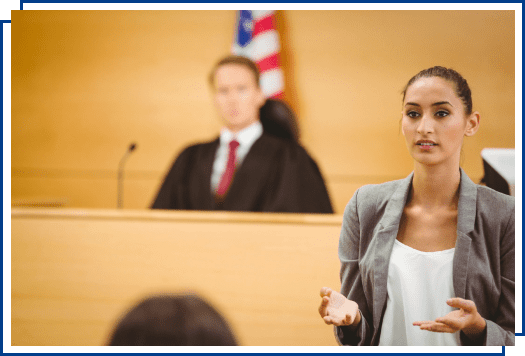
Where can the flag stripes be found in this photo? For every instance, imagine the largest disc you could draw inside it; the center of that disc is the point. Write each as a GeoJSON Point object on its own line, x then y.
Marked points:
{"type": "Point", "coordinates": [258, 39]}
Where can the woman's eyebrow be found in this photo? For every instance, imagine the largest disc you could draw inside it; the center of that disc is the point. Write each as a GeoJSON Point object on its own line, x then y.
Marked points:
{"type": "Point", "coordinates": [441, 103]}
{"type": "Point", "coordinates": [435, 104]}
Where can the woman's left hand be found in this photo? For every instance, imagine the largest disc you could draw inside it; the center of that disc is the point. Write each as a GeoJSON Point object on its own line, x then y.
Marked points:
{"type": "Point", "coordinates": [466, 319]}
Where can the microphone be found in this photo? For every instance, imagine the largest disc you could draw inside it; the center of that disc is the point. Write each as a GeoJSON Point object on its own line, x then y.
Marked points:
{"type": "Point", "coordinates": [120, 173]}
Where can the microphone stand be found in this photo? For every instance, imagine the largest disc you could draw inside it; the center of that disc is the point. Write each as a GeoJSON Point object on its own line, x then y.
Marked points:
{"type": "Point", "coordinates": [120, 174]}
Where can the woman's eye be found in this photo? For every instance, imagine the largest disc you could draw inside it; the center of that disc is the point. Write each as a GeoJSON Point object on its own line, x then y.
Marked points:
{"type": "Point", "coordinates": [412, 114]}
{"type": "Point", "coordinates": [442, 113]}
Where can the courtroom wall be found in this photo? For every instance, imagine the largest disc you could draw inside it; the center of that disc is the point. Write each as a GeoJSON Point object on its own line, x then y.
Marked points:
{"type": "Point", "coordinates": [87, 83]}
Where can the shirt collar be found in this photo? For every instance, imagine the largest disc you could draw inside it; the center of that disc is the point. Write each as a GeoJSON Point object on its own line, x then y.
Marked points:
{"type": "Point", "coordinates": [246, 136]}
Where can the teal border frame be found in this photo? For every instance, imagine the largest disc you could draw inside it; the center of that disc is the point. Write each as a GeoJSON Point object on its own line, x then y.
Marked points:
{"type": "Point", "coordinates": [5, 22]}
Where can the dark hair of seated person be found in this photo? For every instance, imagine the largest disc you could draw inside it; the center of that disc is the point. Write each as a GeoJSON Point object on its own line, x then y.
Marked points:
{"type": "Point", "coordinates": [278, 119]}
{"type": "Point", "coordinates": [173, 320]}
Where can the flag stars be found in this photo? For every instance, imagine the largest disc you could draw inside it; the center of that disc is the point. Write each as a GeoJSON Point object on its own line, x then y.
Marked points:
{"type": "Point", "coordinates": [248, 25]}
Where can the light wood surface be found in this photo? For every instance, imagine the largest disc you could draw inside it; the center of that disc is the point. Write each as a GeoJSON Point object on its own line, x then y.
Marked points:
{"type": "Point", "coordinates": [85, 84]}
{"type": "Point", "coordinates": [75, 272]}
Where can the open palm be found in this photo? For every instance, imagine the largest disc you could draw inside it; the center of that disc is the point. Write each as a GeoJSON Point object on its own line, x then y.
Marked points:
{"type": "Point", "coordinates": [465, 318]}
{"type": "Point", "coordinates": [336, 309]}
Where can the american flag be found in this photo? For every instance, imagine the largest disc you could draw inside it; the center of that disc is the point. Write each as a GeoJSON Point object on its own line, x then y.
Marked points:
{"type": "Point", "coordinates": [257, 38]}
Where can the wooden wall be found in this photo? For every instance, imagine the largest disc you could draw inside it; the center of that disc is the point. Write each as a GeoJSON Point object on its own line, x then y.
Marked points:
{"type": "Point", "coordinates": [87, 83]}
{"type": "Point", "coordinates": [76, 272]}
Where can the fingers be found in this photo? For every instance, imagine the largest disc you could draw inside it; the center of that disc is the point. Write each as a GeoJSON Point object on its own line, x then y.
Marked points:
{"type": "Point", "coordinates": [454, 323]}
{"type": "Point", "coordinates": [332, 308]}
{"type": "Point", "coordinates": [323, 306]}
{"type": "Point", "coordinates": [328, 320]}
{"type": "Point", "coordinates": [419, 323]}
{"type": "Point", "coordinates": [436, 327]}
{"type": "Point", "coordinates": [348, 319]}
{"type": "Point", "coordinates": [325, 291]}
{"type": "Point", "coordinates": [461, 303]}
{"type": "Point", "coordinates": [324, 302]}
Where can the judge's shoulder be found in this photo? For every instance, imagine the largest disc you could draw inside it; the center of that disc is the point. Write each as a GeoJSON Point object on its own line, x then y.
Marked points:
{"type": "Point", "coordinates": [287, 150]}
{"type": "Point", "coordinates": [197, 148]}
{"type": "Point", "coordinates": [273, 143]}
{"type": "Point", "coordinates": [202, 144]}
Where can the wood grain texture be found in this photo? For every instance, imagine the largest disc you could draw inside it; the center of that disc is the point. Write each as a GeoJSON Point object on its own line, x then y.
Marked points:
{"type": "Point", "coordinates": [75, 272]}
{"type": "Point", "coordinates": [87, 83]}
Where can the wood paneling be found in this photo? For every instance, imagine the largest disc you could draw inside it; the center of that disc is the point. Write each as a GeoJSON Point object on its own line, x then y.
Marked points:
{"type": "Point", "coordinates": [87, 83]}
{"type": "Point", "coordinates": [75, 272]}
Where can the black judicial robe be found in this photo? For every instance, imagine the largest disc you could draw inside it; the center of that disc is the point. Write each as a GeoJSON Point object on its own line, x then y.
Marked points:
{"type": "Point", "coordinates": [276, 175]}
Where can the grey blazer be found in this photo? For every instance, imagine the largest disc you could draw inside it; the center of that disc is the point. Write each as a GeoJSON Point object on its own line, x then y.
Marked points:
{"type": "Point", "coordinates": [483, 262]}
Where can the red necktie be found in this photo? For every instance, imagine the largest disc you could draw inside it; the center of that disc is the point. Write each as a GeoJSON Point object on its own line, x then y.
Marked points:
{"type": "Point", "coordinates": [227, 176]}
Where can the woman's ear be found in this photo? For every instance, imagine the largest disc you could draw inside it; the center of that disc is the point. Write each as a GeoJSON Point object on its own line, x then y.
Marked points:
{"type": "Point", "coordinates": [472, 124]}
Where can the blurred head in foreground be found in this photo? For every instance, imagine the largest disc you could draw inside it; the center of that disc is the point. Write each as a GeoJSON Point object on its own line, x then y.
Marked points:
{"type": "Point", "coordinates": [173, 320]}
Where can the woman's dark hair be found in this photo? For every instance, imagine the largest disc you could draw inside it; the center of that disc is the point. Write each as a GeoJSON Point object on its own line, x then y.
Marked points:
{"type": "Point", "coordinates": [173, 320]}
{"type": "Point", "coordinates": [239, 60]}
{"type": "Point", "coordinates": [462, 88]}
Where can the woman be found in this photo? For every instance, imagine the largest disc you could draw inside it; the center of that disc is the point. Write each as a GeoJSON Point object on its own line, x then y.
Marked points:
{"type": "Point", "coordinates": [429, 259]}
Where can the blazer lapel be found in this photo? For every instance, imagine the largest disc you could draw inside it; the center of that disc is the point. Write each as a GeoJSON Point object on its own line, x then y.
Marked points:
{"type": "Point", "coordinates": [466, 219]}
{"type": "Point", "coordinates": [389, 225]}
{"type": "Point", "coordinates": [383, 243]}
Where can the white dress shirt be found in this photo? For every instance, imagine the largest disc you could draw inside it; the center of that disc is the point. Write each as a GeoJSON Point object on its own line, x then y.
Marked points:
{"type": "Point", "coordinates": [419, 284]}
{"type": "Point", "coordinates": [246, 138]}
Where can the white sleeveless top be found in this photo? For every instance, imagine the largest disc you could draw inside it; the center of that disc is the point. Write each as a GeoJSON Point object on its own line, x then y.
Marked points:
{"type": "Point", "coordinates": [419, 284]}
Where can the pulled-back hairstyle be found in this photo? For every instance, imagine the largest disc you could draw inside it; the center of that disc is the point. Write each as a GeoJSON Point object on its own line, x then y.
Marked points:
{"type": "Point", "coordinates": [173, 320]}
{"type": "Point", "coordinates": [233, 59]}
{"type": "Point", "coordinates": [462, 88]}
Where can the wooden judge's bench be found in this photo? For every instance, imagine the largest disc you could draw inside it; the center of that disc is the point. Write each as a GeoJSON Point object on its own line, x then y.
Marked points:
{"type": "Point", "coordinates": [75, 272]}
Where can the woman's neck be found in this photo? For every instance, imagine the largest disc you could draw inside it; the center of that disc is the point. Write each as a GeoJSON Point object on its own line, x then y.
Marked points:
{"type": "Point", "coordinates": [435, 186]}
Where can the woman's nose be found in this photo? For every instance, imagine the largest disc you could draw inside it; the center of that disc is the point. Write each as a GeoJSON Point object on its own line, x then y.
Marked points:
{"type": "Point", "coordinates": [426, 125]}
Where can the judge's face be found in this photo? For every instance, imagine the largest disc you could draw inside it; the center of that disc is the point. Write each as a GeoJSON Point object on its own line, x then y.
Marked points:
{"type": "Point", "coordinates": [434, 121]}
{"type": "Point", "coordinates": [237, 96]}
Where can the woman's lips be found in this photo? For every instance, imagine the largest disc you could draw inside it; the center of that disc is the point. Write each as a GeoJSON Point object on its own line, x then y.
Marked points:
{"type": "Point", "coordinates": [426, 145]}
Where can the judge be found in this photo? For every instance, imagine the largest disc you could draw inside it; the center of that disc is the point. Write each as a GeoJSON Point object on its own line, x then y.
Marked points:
{"type": "Point", "coordinates": [245, 168]}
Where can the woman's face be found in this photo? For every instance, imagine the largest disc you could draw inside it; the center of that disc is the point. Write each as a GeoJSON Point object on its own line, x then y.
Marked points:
{"type": "Point", "coordinates": [434, 121]}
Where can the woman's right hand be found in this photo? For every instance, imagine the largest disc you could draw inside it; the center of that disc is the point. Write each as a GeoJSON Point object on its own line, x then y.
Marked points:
{"type": "Point", "coordinates": [336, 310]}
